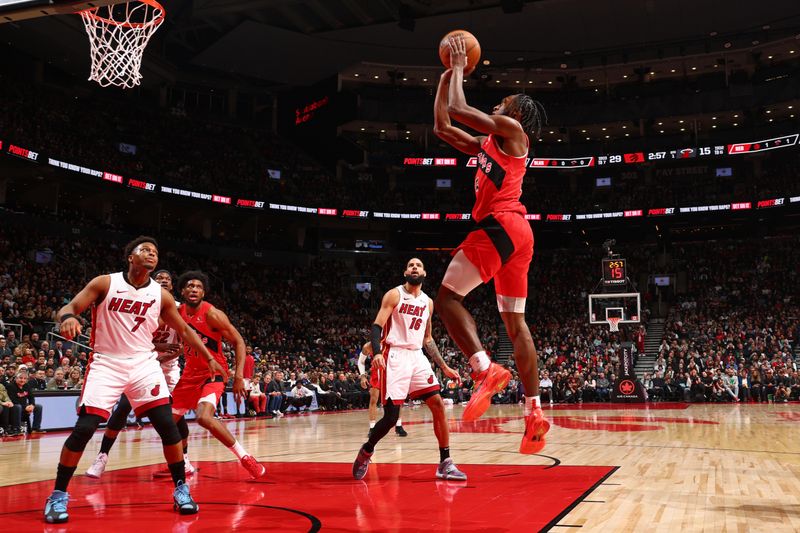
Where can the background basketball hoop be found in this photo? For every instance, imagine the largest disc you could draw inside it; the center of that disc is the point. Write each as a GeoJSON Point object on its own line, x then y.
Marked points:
{"type": "Point", "coordinates": [613, 323]}
{"type": "Point", "coordinates": [118, 35]}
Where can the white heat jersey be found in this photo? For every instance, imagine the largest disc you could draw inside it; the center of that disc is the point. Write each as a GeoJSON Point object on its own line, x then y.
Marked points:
{"type": "Point", "coordinates": [124, 322]}
{"type": "Point", "coordinates": [406, 327]}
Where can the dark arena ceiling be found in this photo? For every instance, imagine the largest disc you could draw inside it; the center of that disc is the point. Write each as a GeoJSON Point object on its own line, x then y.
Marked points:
{"type": "Point", "coordinates": [279, 43]}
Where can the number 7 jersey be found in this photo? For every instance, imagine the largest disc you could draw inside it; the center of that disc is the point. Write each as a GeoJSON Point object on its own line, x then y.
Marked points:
{"type": "Point", "coordinates": [406, 327]}
{"type": "Point", "coordinates": [124, 322]}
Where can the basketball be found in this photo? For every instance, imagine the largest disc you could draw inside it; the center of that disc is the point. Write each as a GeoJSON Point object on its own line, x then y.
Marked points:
{"type": "Point", "coordinates": [472, 45]}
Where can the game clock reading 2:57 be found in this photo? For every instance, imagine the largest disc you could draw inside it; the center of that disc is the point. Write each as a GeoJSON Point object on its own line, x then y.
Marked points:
{"type": "Point", "coordinates": [614, 271]}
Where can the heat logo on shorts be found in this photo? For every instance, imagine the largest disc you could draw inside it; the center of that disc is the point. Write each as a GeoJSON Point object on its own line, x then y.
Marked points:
{"type": "Point", "coordinates": [155, 390]}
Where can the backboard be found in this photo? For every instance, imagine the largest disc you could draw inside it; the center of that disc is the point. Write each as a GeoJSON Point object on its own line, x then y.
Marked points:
{"type": "Point", "coordinates": [626, 306]}
{"type": "Point", "coordinates": [14, 10]}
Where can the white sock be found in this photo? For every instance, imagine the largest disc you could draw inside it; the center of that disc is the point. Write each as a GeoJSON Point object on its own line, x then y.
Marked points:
{"type": "Point", "coordinates": [371, 424]}
{"type": "Point", "coordinates": [399, 423]}
{"type": "Point", "coordinates": [479, 361]}
{"type": "Point", "coordinates": [186, 458]}
{"type": "Point", "coordinates": [238, 450]}
{"type": "Point", "coordinates": [530, 403]}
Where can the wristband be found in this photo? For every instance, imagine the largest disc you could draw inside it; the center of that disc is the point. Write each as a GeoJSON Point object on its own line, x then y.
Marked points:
{"type": "Point", "coordinates": [67, 316]}
{"type": "Point", "coordinates": [375, 333]}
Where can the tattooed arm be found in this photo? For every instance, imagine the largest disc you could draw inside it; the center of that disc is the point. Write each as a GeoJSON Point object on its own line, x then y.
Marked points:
{"type": "Point", "coordinates": [433, 351]}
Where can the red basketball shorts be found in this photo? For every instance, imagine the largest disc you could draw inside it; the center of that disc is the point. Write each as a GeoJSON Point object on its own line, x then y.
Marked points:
{"type": "Point", "coordinates": [501, 247]}
{"type": "Point", "coordinates": [374, 377]}
{"type": "Point", "coordinates": [194, 390]}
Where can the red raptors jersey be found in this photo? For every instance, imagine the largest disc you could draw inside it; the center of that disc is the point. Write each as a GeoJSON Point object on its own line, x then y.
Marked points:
{"type": "Point", "coordinates": [498, 181]}
{"type": "Point", "coordinates": [196, 364]}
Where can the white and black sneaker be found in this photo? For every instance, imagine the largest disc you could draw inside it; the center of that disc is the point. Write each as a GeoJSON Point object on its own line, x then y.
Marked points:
{"type": "Point", "coordinates": [448, 470]}
{"type": "Point", "coordinates": [98, 466]}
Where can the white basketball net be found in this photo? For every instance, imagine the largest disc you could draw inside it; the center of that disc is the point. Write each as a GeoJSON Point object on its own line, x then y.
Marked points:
{"type": "Point", "coordinates": [118, 38]}
{"type": "Point", "coordinates": [613, 323]}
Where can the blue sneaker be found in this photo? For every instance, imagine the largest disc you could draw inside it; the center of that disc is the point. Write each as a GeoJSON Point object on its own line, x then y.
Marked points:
{"type": "Point", "coordinates": [55, 508]}
{"type": "Point", "coordinates": [183, 502]}
{"type": "Point", "coordinates": [361, 464]}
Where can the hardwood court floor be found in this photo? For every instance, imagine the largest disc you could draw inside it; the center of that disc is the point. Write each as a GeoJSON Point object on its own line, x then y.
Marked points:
{"type": "Point", "coordinates": [664, 467]}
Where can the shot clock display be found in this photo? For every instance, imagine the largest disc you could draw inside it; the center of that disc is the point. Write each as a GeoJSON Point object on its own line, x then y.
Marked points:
{"type": "Point", "coordinates": [614, 272]}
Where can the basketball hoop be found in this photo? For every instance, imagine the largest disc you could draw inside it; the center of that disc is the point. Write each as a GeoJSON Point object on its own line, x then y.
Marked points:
{"type": "Point", "coordinates": [118, 36]}
{"type": "Point", "coordinates": [613, 323]}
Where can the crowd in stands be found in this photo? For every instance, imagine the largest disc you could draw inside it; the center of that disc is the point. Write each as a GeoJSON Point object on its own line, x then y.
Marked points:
{"type": "Point", "coordinates": [729, 337]}
{"type": "Point", "coordinates": [733, 336]}
{"type": "Point", "coordinates": [217, 157]}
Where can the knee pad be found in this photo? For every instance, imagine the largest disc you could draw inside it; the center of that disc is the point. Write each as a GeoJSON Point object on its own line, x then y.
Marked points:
{"type": "Point", "coordinates": [83, 431]}
{"type": "Point", "coordinates": [427, 395]}
{"type": "Point", "coordinates": [161, 418]}
{"type": "Point", "coordinates": [183, 428]}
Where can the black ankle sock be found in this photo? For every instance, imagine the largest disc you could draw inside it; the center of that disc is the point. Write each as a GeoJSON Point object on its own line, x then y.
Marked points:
{"type": "Point", "coordinates": [178, 471]}
{"type": "Point", "coordinates": [368, 447]}
{"type": "Point", "coordinates": [185, 450]}
{"type": "Point", "coordinates": [106, 445]}
{"type": "Point", "coordinates": [444, 453]}
{"type": "Point", "coordinates": [63, 475]}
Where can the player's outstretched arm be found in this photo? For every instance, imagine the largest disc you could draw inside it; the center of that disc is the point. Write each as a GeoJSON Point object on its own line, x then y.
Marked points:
{"type": "Point", "coordinates": [443, 128]}
{"type": "Point", "coordinates": [170, 315]}
{"type": "Point", "coordinates": [433, 351]}
{"type": "Point", "coordinates": [92, 293]}
{"type": "Point", "coordinates": [218, 320]}
{"type": "Point", "coordinates": [457, 106]}
{"type": "Point", "coordinates": [389, 302]}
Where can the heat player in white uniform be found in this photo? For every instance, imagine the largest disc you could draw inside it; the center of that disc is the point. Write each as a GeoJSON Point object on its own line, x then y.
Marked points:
{"type": "Point", "coordinates": [126, 308]}
{"type": "Point", "coordinates": [375, 390]}
{"type": "Point", "coordinates": [403, 327]}
{"type": "Point", "coordinates": [168, 345]}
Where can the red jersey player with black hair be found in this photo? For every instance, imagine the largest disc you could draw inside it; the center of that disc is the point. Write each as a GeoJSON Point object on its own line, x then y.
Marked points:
{"type": "Point", "coordinates": [195, 390]}
{"type": "Point", "coordinates": [500, 247]}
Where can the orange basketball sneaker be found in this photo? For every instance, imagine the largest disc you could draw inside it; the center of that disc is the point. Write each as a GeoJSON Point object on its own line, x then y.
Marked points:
{"type": "Point", "coordinates": [536, 426]}
{"type": "Point", "coordinates": [488, 383]}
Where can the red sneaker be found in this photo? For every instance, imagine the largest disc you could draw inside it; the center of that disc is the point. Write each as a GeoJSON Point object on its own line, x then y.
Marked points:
{"type": "Point", "coordinates": [253, 467]}
{"type": "Point", "coordinates": [488, 383]}
{"type": "Point", "coordinates": [536, 426]}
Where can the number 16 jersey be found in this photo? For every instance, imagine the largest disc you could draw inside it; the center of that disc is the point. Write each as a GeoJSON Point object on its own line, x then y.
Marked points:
{"type": "Point", "coordinates": [406, 327]}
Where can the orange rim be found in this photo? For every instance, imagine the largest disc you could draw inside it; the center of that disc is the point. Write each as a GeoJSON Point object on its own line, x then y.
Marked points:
{"type": "Point", "coordinates": [92, 13]}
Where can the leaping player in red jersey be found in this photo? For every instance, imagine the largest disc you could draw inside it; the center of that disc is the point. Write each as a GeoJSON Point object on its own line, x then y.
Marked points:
{"type": "Point", "coordinates": [195, 390]}
{"type": "Point", "coordinates": [126, 308]}
{"type": "Point", "coordinates": [501, 246]}
{"type": "Point", "coordinates": [403, 327]}
{"type": "Point", "coordinates": [375, 390]}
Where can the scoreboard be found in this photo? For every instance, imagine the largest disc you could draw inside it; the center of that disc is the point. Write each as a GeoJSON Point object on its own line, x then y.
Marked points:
{"type": "Point", "coordinates": [614, 272]}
